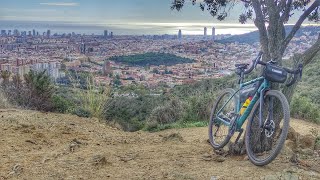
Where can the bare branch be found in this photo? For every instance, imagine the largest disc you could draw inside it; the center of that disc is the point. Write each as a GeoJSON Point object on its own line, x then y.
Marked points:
{"type": "Point", "coordinates": [296, 27]}
{"type": "Point", "coordinates": [309, 54]}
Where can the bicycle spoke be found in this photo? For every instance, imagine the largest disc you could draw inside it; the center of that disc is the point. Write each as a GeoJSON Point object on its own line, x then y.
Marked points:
{"type": "Point", "coordinates": [219, 131]}
{"type": "Point", "coordinates": [264, 144]}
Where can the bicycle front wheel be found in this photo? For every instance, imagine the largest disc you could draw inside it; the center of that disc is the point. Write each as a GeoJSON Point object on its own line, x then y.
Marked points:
{"type": "Point", "coordinates": [263, 144]}
{"type": "Point", "coordinates": [219, 133]}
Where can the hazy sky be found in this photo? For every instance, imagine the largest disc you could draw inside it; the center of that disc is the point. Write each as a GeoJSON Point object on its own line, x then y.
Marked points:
{"type": "Point", "coordinates": [121, 16]}
{"type": "Point", "coordinates": [103, 11]}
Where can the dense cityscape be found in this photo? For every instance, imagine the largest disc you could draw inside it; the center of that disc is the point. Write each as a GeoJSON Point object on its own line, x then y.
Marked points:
{"type": "Point", "coordinates": [57, 54]}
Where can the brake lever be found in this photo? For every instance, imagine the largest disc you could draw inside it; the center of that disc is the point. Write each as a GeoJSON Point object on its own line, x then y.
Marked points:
{"type": "Point", "coordinates": [256, 60]}
{"type": "Point", "coordinates": [273, 62]}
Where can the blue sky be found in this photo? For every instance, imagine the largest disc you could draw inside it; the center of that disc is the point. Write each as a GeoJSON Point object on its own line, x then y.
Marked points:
{"type": "Point", "coordinates": [102, 11]}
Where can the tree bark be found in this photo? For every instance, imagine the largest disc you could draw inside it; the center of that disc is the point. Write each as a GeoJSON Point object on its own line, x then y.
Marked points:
{"type": "Point", "coordinates": [260, 24]}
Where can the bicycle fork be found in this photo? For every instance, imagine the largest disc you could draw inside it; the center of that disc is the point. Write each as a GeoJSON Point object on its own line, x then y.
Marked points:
{"type": "Point", "coordinates": [265, 125]}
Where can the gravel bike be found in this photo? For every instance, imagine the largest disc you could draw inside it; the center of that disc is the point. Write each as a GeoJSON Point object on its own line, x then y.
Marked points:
{"type": "Point", "coordinates": [267, 109]}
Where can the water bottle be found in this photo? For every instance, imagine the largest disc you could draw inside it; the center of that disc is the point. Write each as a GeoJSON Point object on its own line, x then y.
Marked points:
{"type": "Point", "coordinates": [245, 105]}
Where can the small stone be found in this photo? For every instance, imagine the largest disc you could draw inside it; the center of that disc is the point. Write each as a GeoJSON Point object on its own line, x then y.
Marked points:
{"type": "Point", "coordinates": [207, 157]}
{"type": "Point", "coordinates": [73, 146]}
{"type": "Point", "coordinates": [98, 160]}
{"type": "Point", "coordinates": [16, 170]}
{"type": "Point", "coordinates": [219, 158]}
{"type": "Point", "coordinates": [128, 157]}
{"type": "Point", "coordinates": [31, 141]}
{"type": "Point", "coordinates": [220, 151]}
{"type": "Point", "coordinates": [294, 158]}
{"type": "Point", "coordinates": [45, 160]}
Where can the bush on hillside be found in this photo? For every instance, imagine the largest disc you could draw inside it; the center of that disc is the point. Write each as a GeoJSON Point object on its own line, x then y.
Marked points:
{"type": "Point", "coordinates": [61, 104]}
{"type": "Point", "coordinates": [303, 108]}
{"type": "Point", "coordinates": [170, 112]}
{"type": "Point", "coordinates": [81, 112]}
{"type": "Point", "coordinates": [199, 107]}
{"type": "Point", "coordinates": [129, 112]}
{"type": "Point", "coordinates": [35, 92]}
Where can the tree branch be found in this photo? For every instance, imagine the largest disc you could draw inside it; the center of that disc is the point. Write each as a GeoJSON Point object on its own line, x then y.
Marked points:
{"type": "Point", "coordinates": [309, 54]}
{"type": "Point", "coordinates": [296, 27]}
{"type": "Point", "coordinates": [246, 1]}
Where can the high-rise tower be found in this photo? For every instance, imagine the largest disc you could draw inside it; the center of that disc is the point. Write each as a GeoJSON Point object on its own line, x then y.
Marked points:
{"type": "Point", "coordinates": [213, 33]}
{"type": "Point", "coordinates": [48, 33]}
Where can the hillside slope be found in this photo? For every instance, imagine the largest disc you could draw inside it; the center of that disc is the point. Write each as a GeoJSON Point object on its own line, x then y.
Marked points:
{"type": "Point", "coordinates": [36, 145]}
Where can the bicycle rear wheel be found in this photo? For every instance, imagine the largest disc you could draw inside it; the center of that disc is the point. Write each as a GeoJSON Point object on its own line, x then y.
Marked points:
{"type": "Point", "coordinates": [264, 144]}
{"type": "Point", "coordinates": [219, 133]}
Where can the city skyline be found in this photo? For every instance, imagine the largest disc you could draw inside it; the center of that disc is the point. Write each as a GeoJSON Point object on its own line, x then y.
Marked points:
{"type": "Point", "coordinates": [125, 29]}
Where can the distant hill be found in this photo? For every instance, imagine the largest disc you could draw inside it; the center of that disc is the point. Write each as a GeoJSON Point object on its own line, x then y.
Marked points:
{"type": "Point", "coordinates": [151, 59]}
{"type": "Point", "coordinates": [253, 37]}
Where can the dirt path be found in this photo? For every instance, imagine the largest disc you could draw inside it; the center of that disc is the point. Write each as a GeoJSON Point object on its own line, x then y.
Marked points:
{"type": "Point", "coordinates": [37, 145]}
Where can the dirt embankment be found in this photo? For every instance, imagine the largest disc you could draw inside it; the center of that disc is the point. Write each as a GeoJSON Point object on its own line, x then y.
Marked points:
{"type": "Point", "coordinates": [36, 145]}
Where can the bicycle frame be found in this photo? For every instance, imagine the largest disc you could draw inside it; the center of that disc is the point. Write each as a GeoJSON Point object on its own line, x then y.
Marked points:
{"type": "Point", "coordinates": [258, 96]}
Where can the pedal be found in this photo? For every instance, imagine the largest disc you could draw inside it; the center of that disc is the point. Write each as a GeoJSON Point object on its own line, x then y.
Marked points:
{"type": "Point", "coordinates": [239, 135]}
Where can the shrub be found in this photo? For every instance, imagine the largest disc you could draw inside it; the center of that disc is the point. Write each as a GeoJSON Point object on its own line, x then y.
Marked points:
{"type": "Point", "coordinates": [60, 104]}
{"type": "Point", "coordinates": [34, 93]}
{"type": "Point", "coordinates": [170, 112]}
{"type": "Point", "coordinates": [303, 108]}
{"type": "Point", "coordinates": [129, 112]}
{"type": "Point", "coordinates": [81, 112]}
{"type": "Point", "coordinates": [199, 107]}
{"type": "Point", "coordinates": [92, 97]}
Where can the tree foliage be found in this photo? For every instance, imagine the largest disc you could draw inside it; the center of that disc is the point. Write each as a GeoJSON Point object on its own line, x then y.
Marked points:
{"type": "Point", "coordinates": [151, 59]}
{"type": "Point", "coordinates": [269, 16]}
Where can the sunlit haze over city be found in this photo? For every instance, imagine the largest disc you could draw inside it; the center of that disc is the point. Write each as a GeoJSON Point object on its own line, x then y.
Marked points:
{"type": "Point", "coordinates": [124, 17]}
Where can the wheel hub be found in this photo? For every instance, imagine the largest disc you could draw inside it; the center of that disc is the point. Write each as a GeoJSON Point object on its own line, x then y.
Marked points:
{"type": "Point", "coordinates": [269, 128]}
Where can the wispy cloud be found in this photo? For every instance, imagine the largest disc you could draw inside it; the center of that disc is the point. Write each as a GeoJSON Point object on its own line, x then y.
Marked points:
{"type": "Point", "coordinates": [60, 4]}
